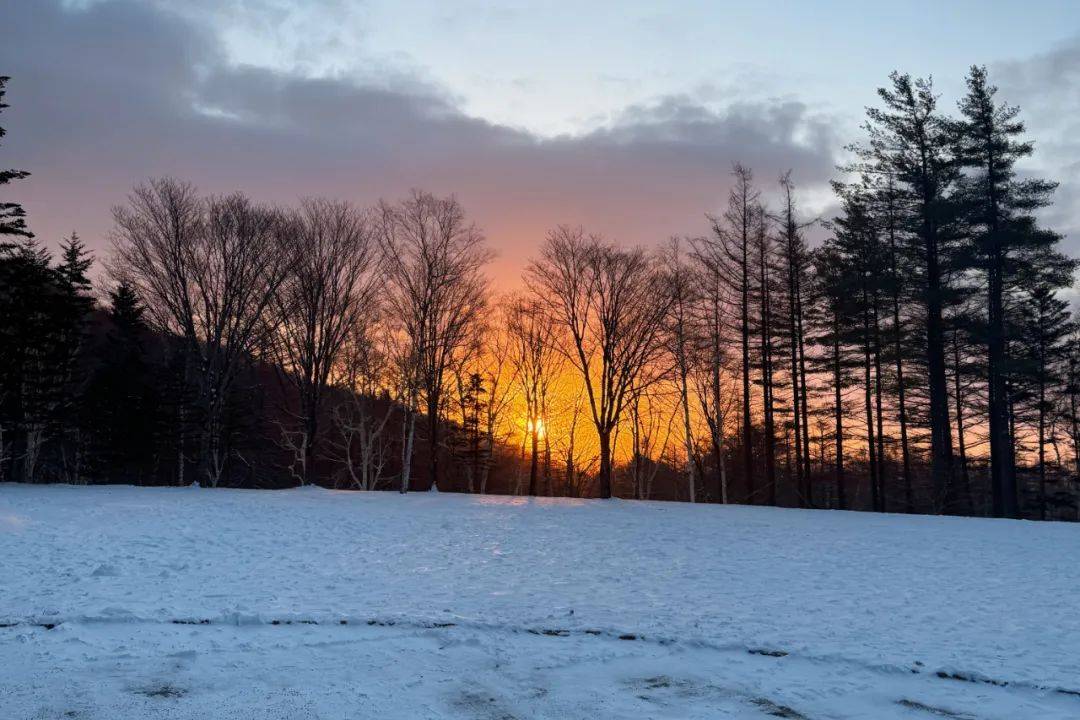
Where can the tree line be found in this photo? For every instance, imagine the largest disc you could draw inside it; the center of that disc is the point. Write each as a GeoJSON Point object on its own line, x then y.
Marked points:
{"type": "Point", "coordinates": [921, 358]}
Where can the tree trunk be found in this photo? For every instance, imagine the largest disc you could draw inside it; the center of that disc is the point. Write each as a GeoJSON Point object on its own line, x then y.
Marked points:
{"type": "Point", "coordinates": [871, 450]}
{"type": "Point", "coordinates": [570, 480]}
{"type": "Point", "coordinates": [181, 425]}
{"type": "Point", "coordinates": [941, 460]}
{"type": "Point", "coordinates": [1073, 420]}
{"type": "Point", "coordinates": [747, 435]}
{"type": "Point", "coordinates": [767, 387]}
{"type": "Point", "coordinates": [878, 392]}
{"type": "Point", "coordinates": [408, 431]}
{"type": "Point", "coordinates": [433, 438]}
{"type": "Point", "coordinates": [1011, 419]}
{"type": "Point", "coordinates": [684, 398]}
{"type": "Point", "coordinates": [605, 463]}
{"type": "Point", "coordinates": [547, 452]}
{"type": "Point", "coordinates": [718, 428]}
{"type": "Point", "coordinates": [800, 409]}
{"type": "Point", "coordinates": [1042, 451]}
{"type": "Point", "coordinates": [961, 443]}
{"type": "Point", "coordinates": [211, 441]}
{"type": "Point", "coordinates": [1002, 470]}
{"type": "Point", "coordinates": [310, 428]}
{"type": "Point", "coordinates": [901, 391]}
{"type": "Point", "coordinates": [533, 463]}
{"type": "Point", "coordinates": [1042, 420]}
{"type": "Point", "coordinates": [808, 491]}
{"type": "Point", "coordinates": [838, 409]}
{"type": "Point", "coordinates": [800, 480]}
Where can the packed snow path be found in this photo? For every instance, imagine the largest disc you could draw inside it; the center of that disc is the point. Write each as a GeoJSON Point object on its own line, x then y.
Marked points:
{"type": "Point", "coordinates": [186, 603]}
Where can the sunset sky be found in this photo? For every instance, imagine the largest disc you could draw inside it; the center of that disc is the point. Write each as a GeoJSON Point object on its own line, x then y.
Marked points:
{"type": "Point", "coordinates": [622, 116]}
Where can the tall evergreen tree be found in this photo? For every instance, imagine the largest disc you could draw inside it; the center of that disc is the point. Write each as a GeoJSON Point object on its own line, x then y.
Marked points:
{"type": "Point", "coordinates": [857, 244]}
{"type": "Point", "coordinates": [1072, 397]}
{"type": "Point", "coordinates": [12, 215]}
{"type": "Point", "coordinates": [17, 268]}
{"type": "Point", "coordinates": [965, 367]}
{"type": "Point", "coordinates": [795, 267]}
{"type": "Point", "coordinates": [121, 411]}
{"type": "Point", "coordinates": [27, 294]}
{"type": "Point", "coordinates": [890, 213]}
{"type": "Point", "coordinates": [830, 317]}
{"type": "Point", "coordinates": [73, 305]}
{"type": "Point", "coordinates": [763, 247]}
{"type": "Point", "coordinates": [912, 142]}
{"type": "Point", "coordinates": [1044, 349]}
{"type": "Point", "coordinates": [127, 312]}
{"type": "Point", "coordinates": [999, 211]}
{"type": "Point", "coordinates": [734, 236]}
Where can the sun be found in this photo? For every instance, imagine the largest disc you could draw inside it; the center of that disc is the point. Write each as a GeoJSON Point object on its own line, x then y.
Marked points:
{"type": "Point", "coordinates": [541, 428]}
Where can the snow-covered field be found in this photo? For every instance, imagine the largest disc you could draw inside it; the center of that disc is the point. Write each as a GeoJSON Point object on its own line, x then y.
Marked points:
{"type": "Point", "coordinates": [123, 602]}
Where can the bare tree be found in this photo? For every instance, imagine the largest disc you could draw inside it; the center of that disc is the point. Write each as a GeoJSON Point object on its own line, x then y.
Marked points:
{"type": "Point", "coordinates": [327, 291]}
{"type": "Point", "coordinates": [650, 435]}
{"type": "Point", "coordinates": [434, 264]}
{"type": "Point", "coordinates": [682, 338]}
{"type": "Point", "coordinates": [152, 249]}
{"type": "Point", "coordinates": [732, 244]}
{"type": "Point", "coordinates": [710, 368]}
{"type": "Point", "coordinates": [500, 377]}
{"type": "Point", "coordinates": [576, 464]}
{"type": "Point", "coordinates": [611, 303]}
{"type": "Point", "coordinates": [534, 357]}
{"type": "Point", "coordinates": [717, 396]}
{"type": "Point", "coordinates": [795, 266]}
{"type": "Point", "coordinates": [764, 246]}
{"type": "Point", "coordinates": [405, 360]}
{"type": "Point", "coordinates": [207, 271]}
{"type": "Point", "coordinates": [363, 375]}
{"type": "Point", "coordinates": [482, 383]}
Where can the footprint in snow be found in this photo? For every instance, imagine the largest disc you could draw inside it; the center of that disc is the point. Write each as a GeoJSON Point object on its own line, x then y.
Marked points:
{"type": "Point", "coordinates": [105, 570]}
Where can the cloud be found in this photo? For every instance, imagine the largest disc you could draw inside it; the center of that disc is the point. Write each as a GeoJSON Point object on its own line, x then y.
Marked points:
{"type": "Point", "coordinates": [107, 94]}
{"type": "Point", "coordinates": [1044, 88]}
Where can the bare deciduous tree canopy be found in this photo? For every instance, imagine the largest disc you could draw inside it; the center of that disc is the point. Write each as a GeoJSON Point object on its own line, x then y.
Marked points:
{"type": "Point", "coordinates": [437, 291]}
{"type": "Point", "coordinates": [208, 270]}
{"type": "Point", "coordinates": [328, 290]}
{"type": "Point", "coordinates": [611, 304]}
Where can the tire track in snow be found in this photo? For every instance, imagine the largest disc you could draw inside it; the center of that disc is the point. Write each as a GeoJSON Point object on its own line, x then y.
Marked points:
{"type": "Point", "coordinates": [236, 619]}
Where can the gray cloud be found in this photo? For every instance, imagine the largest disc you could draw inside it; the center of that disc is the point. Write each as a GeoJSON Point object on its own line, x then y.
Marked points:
{"type": "Point", "coordinates": [106, 95]}
{"type": "Point", "coordinates": [1045, 87]}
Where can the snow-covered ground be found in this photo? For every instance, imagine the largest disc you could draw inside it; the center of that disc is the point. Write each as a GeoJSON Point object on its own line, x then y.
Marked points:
{"type": "Point", "coordinates": [123, 602]}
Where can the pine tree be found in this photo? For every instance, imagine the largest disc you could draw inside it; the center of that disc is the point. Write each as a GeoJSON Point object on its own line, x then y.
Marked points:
{"type": "Point", "coordinates": [27, 294]}
{"type": "Point", "coordinates": [964, 366]}
{"type": "Point", "coordinates": [763, 246]}
{"type": "Point", "coordinates": [999, 214]}
{"type": "Point", "coordinates": [127, 312]}
{"type": "Point", "coordinates": [793, 259]}
{"type": "Point", "coordinates": [1043, 342]}
{"type": "Point", "coordinates": [857, 244]}
{"type": "Point", "coordinates": [734, 239]}
{"type": "Point", "coordinates": [1072, 394]}
{"type": "Point", "coordinates": [121, 414]}
{"type": "Point", "coordinates": [711, 261]}
{"type": "Point", "coordinates": [830, 317]}
{"type": "Point", "coordinates": [73, 305]}
{"type": "Point", "coordinates": [910, 141]}
{"type": "Point", "coordinates": [889, 212]}
{"type": "Point", "coordinates": [12, 215]}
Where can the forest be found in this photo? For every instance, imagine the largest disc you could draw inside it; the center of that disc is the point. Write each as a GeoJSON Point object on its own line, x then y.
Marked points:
{"type": "Point", "coordinates": [920, 357]}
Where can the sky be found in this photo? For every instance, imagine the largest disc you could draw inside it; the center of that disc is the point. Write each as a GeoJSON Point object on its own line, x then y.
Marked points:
{"type": "Point", "coordinates": [624, 117]}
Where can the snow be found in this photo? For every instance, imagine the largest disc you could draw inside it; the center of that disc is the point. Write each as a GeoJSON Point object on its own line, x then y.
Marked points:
{"type": "Point", "coordinates": [188, 603]}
